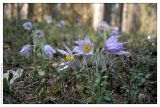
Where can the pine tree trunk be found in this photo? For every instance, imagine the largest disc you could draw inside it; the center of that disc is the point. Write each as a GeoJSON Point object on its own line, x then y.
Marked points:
{"type": "Point", "coordinates": [108, 13]}
{"type": "Point", "coordinates": [98, 14]}
{"type": "Point", "coordinates": [124, 18]}
{"type": "Point", "coordinates": [30, 10]}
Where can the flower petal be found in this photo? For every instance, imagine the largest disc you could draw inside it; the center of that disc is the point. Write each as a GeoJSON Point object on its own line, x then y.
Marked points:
{"type": "Point", "coordinates": [77, 50]}
{"type": "Point", "coordinates": [115, 45]}
{"type": "Point", "coordinates": [26, 50]}
{"type": "Point", "coordinates": [49, 51]}
{"type": "Point", "coordinates": [122, 53]}
{"type": "Point", "coordinates": [39, 33]}
{"type": "Point", "coordinates": [79, 42]}
{"type": "Point", "coordinates": [62, 52]}
{"type": "Point", "coordinates": [112, 39]}
{"type": "Point", "coordinates": [27, 25]}
{"type": "Point", "coordinates": [68, 50]}
{"type": "Point", "coordinates": [87, 40]}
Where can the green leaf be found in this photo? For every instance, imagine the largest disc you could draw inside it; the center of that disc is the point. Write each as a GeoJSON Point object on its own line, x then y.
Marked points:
{"type": "Point", "coordinates": [10, 76]}
{"type": "Point", "coordinates": [147, 76]}
{"type": "Point", "coordinates": [105, 77]}
{"type": "Point", "coordinates": [107, 98]}
{"type": "Point", "coordinates": [143, 80]}
{"type": "Point", "coordinates": [5, 83]}
{"type": "Point", "coordinates": [94, 51]}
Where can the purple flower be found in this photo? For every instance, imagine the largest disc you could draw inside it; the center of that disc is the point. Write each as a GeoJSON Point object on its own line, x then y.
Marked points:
{"type": "Point", "coordinates": [68, 54]}
{"type": "Point", "coordinates": [103, 27]}
{"type": "Point", "coordinates": [115, 29]}
{"type": "Point", "coordinates": [49, 19]}
{"type": "Point", "coordinates": [112, 45]}
{"type": "Point", "coordinates": [39, 33]}
{"type": "Point", "coordinates": [48, 51]}
{"type": "Point", "coordinates": [77, 20]}
{"type": "Point", "coordinates": [26, 50]}
{"type": "Point", "coordinates": [61, 23]}
{"type": "Point", "coordinates": [85, 47]}
{"type": "Point", "coordinates": [27, 25]}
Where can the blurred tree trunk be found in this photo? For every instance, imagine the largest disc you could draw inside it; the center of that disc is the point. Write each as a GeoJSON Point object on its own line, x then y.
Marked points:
{"type": "Point", "coordinates": [135, 18]}
{"type": "Point", "coordinates": [116, 15]}
{"type": "Point", "coordinates": [24, 11]}
{"type": "Point", "coordinates": [42, 11]}
{"type": "Point", "coordinates": [125, 18]}
{"type": "Point", "coordinates": [19, 6]}
{"type": "Point", "coordinates": [112, 15]}
{"type": "Point", "coordinates": [148, 19]}
{"type": "Point", "coordinates": [30, 10]}
{"type": "Point", "coordinates": [8, 11]}
{"type": "Point", "coordinates": [4, 15]}
{"type": "Point", "coordinates": [120, 17]}
{"type": "Point", "coordinates": [98, 14]}
{"type": "Point", "coordinates": [13, 11]}
{"type": "Point", "coordinates": [108, 13]}
{"type": "Point", "coordinates": [131, 13]}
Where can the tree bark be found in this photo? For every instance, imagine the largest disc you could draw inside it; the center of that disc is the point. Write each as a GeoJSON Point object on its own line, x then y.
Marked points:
{"type": "Point", "coordinates": [120, 17]}
{"type": "Point", "coordinates": [135, 20]}
{"type": "Point", "coordinates": [24, 11]}
{"type": "Point", "coordinates": [124, 18]}
{"type": "Point", "coordinates": [108, 13]}
{"type": "Point", "coordinates": [98, 14]}
{"type": "Point", "coordinates": [30, 10]}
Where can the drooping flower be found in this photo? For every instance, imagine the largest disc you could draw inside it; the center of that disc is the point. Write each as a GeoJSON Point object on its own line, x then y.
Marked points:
{"type": "Point", "coordinates": [85, 47]}
{"type": "Point", "coordinates": [27, 25]}
{"type": "Point", "coordinates": [48, 51]}
{"type": "Point", "coordinates": [26, 50]}
{"type": "Point", "coordinates": [68, 54]}
{"type": "Point", "coordinates": [61, 23]}
{"type": "Point", "coordinates": [103, 27]}
{"type": "Point", "coordinates": [77, 20]}
{"type": "Point", "coordinates": [112, 45]}
{"type": "Point", "coordinates": [115, 29]}
{"type": "Point", "coordinates": [68, 58]}
{"type": "Point", "coordinates": [49, 19]}
{"type": "Point", "coordinates": [39, 33]}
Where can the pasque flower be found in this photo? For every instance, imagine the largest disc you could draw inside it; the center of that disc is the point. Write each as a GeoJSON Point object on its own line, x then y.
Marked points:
{"type": "Point", "coordinates": [112, 45]}
{"type": "Point", "coordinates": [85, 47]}
{"type": "Point", "coordinates": [61, 24]}
{"type": "Point", "coordinates": [49, 19]}
{"type": "Point", "coordinates": [27, 25]}
{"type": "Point", "coordinates": [103, 27]}
{"type": "Point", "coordinates": [26, 50]}
{"type": "Point", "coordinates": [77, 20]}
{"type": "Point", "coordinates": [68, 54]}
{"type": "Point", "coordinates": [48, 51]}
{"type": "Point", "coordinates": [39, 33]}
{"type": "Point", "coordinates": [68, 58]}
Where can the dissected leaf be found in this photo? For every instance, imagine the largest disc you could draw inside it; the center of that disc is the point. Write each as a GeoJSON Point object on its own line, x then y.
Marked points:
{"type": "Point", "coordinates": [5, 83]}
{"type": "Point", "coordinates": [10, 76]}
{"type": "Point", "coordinates": [107, 98]}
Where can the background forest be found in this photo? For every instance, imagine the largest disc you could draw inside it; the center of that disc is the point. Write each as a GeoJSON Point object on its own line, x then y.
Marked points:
{"type": "Point", "coordinates": [129, 18]}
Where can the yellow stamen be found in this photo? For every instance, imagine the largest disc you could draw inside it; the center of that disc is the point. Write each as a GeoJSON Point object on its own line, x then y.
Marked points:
{"type": "Point", "coordinates": [86, 48]}
{"type": "Point", "coordinates": [69, 57]}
